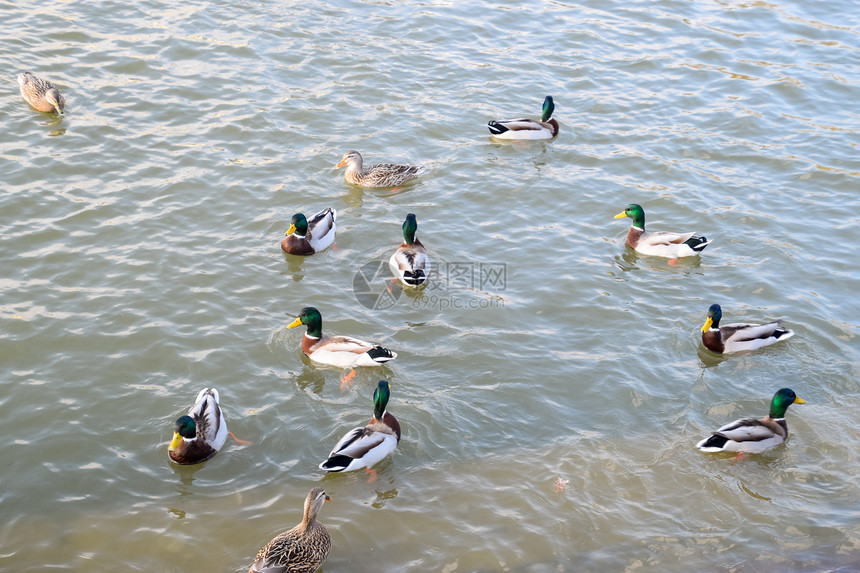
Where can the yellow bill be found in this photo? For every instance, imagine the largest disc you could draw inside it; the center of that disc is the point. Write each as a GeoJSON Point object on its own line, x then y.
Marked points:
{"type": "Point", "coordinates": [175, 442]}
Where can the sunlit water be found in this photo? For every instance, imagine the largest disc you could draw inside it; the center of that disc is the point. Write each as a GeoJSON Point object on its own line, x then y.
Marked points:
{"type": "Point", "coordinates": [550, 383]}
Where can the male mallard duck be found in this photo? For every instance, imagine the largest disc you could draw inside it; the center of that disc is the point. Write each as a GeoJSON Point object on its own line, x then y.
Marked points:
{"type": "Point", "coordinates": [379, 175]}
{"type": "Point", "coordinates": [343, 351]}
{"type": "Point", "coordinates": [307, 237]}
{"type": "Point", "coordinates": [739, 336]}
{"type": "Point", "coordinates": [301, 549]}
{"type": "Point", "coordinates": [661, 243]}
{"type": "Point", "coordinates": [546, 128]}
{"type": "Point", "coordinates": [364, 447]}
{"type": "Point", "coordinates": [410, 263]}
{"type": "Point", "coordinates": [751, 435]}
{"type": "Point", "coordinates": [199, 435]}
{"type": "Point", "coordinates": [41, 94]}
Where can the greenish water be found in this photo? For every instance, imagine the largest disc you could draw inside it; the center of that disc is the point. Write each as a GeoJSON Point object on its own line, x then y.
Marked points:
{"type": "Point", "coordinates": [141, 263]}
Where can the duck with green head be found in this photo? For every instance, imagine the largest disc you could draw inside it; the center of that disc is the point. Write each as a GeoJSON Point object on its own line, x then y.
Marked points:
{"type": "Point", "coordinates": [659, 243]}
{"type": "Point", "coordinates": [341, 351]}
{"type": "Point", "coordinates": [365, 446]}
{"type": "Point", "coordinates": [306, 237]}
{"type": "Point", "coordinates": [751, 435]}
{"type": "Point", "coordinates": [738, 337]}
{"type": "Point", "coordinates": [199, 435]}
{"type": "Point", "coordinates": [378, 175]}
{"type": "Point", "coordinates": [41, 94]}
{"type": "Point", "coordinates": [525, 128]}
{"type": "Point", "coordinates": [410, 263]}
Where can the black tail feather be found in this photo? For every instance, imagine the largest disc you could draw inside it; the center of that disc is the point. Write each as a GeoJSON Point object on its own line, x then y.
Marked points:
{"type": "Point", "coordinates": [336, 463]}
{"type": "Point", "coordinates": [496, 128]}
{"type": "Point", "coordinates": [715, 441]}
{"type": "Point", "coordinates": [380, 354]}
{"type": "Point", "coordinates": [697, 243]}
{"type": "Point", "coordinates": [414, 278]}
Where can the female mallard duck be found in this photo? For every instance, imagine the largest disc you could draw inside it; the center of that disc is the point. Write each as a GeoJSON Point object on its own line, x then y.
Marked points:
{"type": "Point", "coordinates": [661, 243]}
{"type": "Point", "coordinates": [751, 435]}
{"type": "Point", "coordinates": [301, 549]}
{"type": "Point", "coordinates": [342, 351]}
{"type": "Point", "coordinates": [738, 337]}
{"type": "Point", "coordinates": [199, 435]}
{"type": "Point", "coordinates": [364, 447]}
{"type": "Point", "coordinates": [546, 128]}
{"type": "Point", "coordinates": [307, 237]}
{"type": "Point", "coordinates": [379, 175]}
{"type": "Point", "coordinates": [410, 263]}
{"type": "Point", "coordinates": [40, 94]}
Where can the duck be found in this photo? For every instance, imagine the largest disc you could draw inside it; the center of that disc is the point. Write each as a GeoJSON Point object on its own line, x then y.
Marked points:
{"type": "Point", "coordinates": [750, 435]}
{"type": "Point", "coordinates": [546, 128]}
{"type": "Point", "coordinates": [660, 243]}
{"type": "Point", "coordinates": [308, 237]}
{"type": "Point", "coordinates": [341, 351]}
{"type": "Point", "coordinates": [365, 446]}
{"type": "Point", "coordinates": [379, 175]}
{"type": "Point", "coordinates": [41, 94]}
{"type": "Point", "coordinates": [199, 435]}
{"type": "Point", "coordinates": [410, 263]}
{"type": "Point", "coordinates": [739, 336]}
{"type": "Point", "coordinates": [301, 549]}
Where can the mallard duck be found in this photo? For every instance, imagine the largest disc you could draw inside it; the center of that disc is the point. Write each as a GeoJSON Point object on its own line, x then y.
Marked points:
{"type": "Point", "coordinates": [410, 263]}
{"type": "Point", "coordinates": [199, 435]}
{"type": "Point", "coordinates": [343, 351]}
{"type": "Point", "coordinates": [661, 243]}
{"type": "Point", "coordinates": [751, 435]}
{"type": "Point", "coordinates": [546, 128]}
{"type": "Point", "coordinates": [379, 175]}
{"type": "Point", "coordinates": [738, 337]}
{"type": "Point", "coordinates": [301, 549]}
{"type": "Point", "coordinates": [307, 237]}
{"type": "Point", "coordinates": [364, 447]}
{"type": "Point", "coordinates": [40, 94]}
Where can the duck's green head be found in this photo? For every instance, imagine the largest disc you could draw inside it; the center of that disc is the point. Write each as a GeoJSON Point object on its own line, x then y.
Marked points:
{"type": "Point", "coordinates": [310, 317]}
{"type": "Point", "coordinates": [183, 428]}
{"type": "Point", "coordinates": [715, 314]}
{"type": "Point", "coordinates": [548, 108]}
{"type": "Point", "coordinates": [298, 225]}
{"type": "Point", "coordinates": [380, 399]}
{"type": "Point", "coordinates": [410, 225]}
{"type": "Point", "coordinates": [783, 398]}
{"type": "Point", "coordinates": [636, 213]}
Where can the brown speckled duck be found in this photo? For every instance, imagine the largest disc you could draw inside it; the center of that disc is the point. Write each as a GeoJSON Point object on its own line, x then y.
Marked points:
{"type": "Point", "coordinates": [379, 175]}
{"type": "Point", "coordinates": [301, 549]}
{"type": "Point", "coordinates": [41, 94]}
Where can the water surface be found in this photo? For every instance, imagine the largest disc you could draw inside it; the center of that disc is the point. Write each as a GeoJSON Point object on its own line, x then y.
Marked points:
{"type": "Point", "coordinates": [550, 383]}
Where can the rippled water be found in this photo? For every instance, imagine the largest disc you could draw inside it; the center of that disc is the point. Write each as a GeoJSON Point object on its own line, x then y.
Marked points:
{"type": "Point", "coordinates": [550, 384]}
